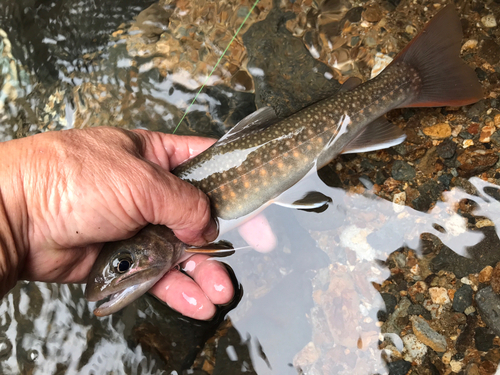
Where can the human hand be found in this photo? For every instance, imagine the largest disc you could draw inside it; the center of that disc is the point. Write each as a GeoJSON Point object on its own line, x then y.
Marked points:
{"type": "Point", "coordinates": [66, 193]}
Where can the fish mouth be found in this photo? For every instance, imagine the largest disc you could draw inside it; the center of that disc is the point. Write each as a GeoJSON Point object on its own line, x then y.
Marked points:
{"type": "Point", "coordinates": [125, 296]}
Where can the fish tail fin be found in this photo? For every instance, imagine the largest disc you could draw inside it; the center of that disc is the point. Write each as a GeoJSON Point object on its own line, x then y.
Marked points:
{"type": "Point", "coordinates": [435, 54]}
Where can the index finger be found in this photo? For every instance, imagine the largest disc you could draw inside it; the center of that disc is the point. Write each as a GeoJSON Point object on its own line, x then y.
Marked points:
{"type": "Point", "coordinates": [168, 150]}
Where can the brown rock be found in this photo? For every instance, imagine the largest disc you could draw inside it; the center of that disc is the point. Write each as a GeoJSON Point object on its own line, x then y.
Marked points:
{"type": "Point", "coordinates": [427, 335]}
{"type": "Point", "coordinates": [495, 279]}
{"type": "Point", "coordinates": [390, 184]}
{"type": "Point", "coordinates": [486, 133]}
{"type": "Point", "coordinates": [475, 162]}
{"type": "Point", "coordinates": [497, 121]}
{"type": "Point", "coordinates": [485, 274]}
{"type": "Point", "coordinates": [372, 13]}
{"type": "Point", "coordinates": [438, 131]}
{"type": "Point", "coordinates": [473, 128]}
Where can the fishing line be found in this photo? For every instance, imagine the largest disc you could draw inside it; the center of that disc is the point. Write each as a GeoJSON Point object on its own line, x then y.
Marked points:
{"type": "Point", "coordinates": [216, 65]}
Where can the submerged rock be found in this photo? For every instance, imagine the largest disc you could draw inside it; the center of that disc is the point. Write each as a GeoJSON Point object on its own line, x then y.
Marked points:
{"type": "Point", "coordinates": [427, 335]}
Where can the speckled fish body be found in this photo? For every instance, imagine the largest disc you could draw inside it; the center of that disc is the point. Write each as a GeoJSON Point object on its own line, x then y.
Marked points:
{"type": "Point", "coordinates": [245, 174]}
{"type": "Point", "coordinates": [262, 156]}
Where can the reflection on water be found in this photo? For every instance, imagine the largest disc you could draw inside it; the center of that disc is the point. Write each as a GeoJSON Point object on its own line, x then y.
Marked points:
{"type": "Point", "coordinates": [370, 285]}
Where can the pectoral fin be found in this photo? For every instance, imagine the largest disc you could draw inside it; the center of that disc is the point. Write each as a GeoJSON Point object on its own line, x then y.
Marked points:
{"type": "Point", "coordinates": [310, 201]}
{"type": "Point", "coordinates": [221, 249]}
{"type": "Point", "coordinates": [377, 135]}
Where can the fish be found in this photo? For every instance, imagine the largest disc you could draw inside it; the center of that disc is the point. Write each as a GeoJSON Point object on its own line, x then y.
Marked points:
{"type": "Point", "coordinates": [262, 157]}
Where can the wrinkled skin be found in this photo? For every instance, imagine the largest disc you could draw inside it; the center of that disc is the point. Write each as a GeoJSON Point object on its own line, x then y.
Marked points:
{"type": "Point", "coordinates": [66, 193]}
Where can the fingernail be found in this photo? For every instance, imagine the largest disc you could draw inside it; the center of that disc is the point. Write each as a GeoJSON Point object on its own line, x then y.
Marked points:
{"type": "Point", "coordinates": [211, 232]}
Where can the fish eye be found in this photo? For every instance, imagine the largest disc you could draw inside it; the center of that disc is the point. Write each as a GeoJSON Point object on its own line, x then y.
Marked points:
{"type": "Point", "coordinates": [122, 263]}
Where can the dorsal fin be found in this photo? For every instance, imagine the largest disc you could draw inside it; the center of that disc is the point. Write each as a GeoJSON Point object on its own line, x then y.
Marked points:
{"type": "Point", "coordinates": [259, 120]}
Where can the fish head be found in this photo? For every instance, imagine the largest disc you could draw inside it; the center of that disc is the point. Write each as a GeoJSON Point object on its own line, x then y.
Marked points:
{"type": "Point", "coordinates": [124, 270]}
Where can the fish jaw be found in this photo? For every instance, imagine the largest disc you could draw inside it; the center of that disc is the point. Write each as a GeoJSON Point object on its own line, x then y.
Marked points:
{"type": "Point", "coordinates": [119, 300]}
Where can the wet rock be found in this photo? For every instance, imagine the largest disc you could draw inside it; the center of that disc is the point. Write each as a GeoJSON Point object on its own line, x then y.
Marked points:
{"type": "Point", "coordinates": [476, 109]}
{"type": "Point", "coordinates": [372, 13]}
{"type": "Point", "coordinates": [275, 79]}
{"type": "Point", "coordinates": [153, 21]}
{"type": "Point", "coordinates": [439, 295]}
{"type": "Point", "coordinates": [484, 339]}
{"type": "Point", "coordinates": [402, 171]}
{"type": "Point", "coordinates": [486, 133]}
{"type": "Point", "coordinates": [395, 323]}
{"type": "Point", "coordinates": [490, 51]}
{"type": "Point", "coordinates": [418, 309]}
{"type": "Point", "coordinates": [438, 131]}
{"type": "Point", "coordinates": [488, 303]}
{"type": "Point", "coordinates": [399, 367]}
{"type": "Point", "coordinates": [427, 335]}
{"type": "Point", "coordinates": [489, 21]}
{"type": "Point", "coordinates": [495, 279]}
{"type": "Point", "coordinates": [354, 14]}
{"type": "Point", "coordinates": [390, 302]}
{"type": "Point", "coordinates": [446, 149]}
{"type": "Point", "coordinates": [430, 192]}
{"type": "Point", "coordinates": [462, 298]}
{"type": "Point", "coordinates": [414, 349]}
{"type": "Point", "coordinates": [495, 138]}
{"type": "Point", "coordinates": [485, 274]}
{"type": "Point", "coordinates": [464, 340]}
{"type": "Point", "coordinates": [475, 162]}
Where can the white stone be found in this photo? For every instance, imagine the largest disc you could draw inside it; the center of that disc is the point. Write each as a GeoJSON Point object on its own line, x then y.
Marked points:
{"type": "Point", "coordinates": [489, 21]}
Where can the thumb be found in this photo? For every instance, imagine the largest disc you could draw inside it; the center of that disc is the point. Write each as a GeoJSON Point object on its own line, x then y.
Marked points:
{"type": "Point", "coordinates": [181, 207]}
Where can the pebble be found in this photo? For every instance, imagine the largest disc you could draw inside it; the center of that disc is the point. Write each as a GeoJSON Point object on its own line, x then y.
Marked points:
{"type": "Point", "coordinates": [470, 44]}
{"type": "Point", "coordinates": [419, 310]}
{"type": "Point", "coordinates": [438, 131]}
{"type": "Point", "coordinates": [427, 335]}
{"type": "Point", "coordinates": [402, 171]}
{"type": "Point", "coordinates": [484, 223]}
{"type": "Point", "coordinates": [372, 13]}
{"type": "Point", "coordinates": [467, 143]}
{"type": "Point", "coordinates": [399, 201]}
{"type": "Point", "coordinates": [488, 304]}
{"type": "Point", "coordinates": [446, 149]}
{"type": "Point", "coordinates": [490, 51]}
{"type": "Point", "coordinates": [381, 62]}
{"type": "Point", "coordinates": [456, 366]}
{"type": "Point", "coordinates": [496, 120]}
{"type": "Point", "coordinates": [399, 367]}
{"type": "Point", "coordinates": [495, 279]}
{"type": "Point", "coordinates": [483, 339]}
{"type": "Point", "coordinates": [485, 274]}
{"type": "Point", "coordinates": [394, 324]}
{"type": "Point", "coordinates": [439, 295]}
{"type": "Point", "coordinates": [462, 298]}
{"type": "Point", "coordinates": [489, 21]}
{"type": "Point", "coordinates": [414, 349]}
{"type": "Point", "coordinates": [486, 133]}
{"type": "Point", "coordinates": [475, 162]}
{"type": "Point", "coordinates": [390, 302]}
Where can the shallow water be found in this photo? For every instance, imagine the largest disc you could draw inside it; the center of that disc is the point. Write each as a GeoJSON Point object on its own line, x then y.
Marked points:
{"type": "Point", "coordinates": [344, 289]}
